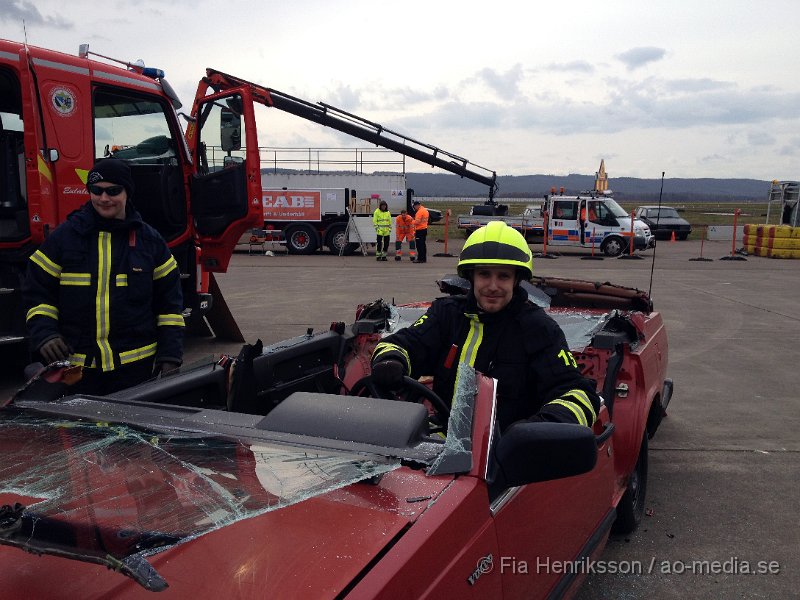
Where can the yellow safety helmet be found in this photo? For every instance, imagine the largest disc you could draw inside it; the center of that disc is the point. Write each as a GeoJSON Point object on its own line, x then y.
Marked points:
{"type": "Point", "coordinates": [496, 244]}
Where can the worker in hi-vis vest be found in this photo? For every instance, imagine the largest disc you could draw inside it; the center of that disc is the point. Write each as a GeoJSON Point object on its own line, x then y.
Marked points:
{"type": "Point", "coordinates": [404, 230]}
{"type": "Point", "coordinates": [421, 217]}
{"type": "Point", "coordinates": [382, 219]}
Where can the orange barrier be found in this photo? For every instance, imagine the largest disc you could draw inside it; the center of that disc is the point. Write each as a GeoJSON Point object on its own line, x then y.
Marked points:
{"type": "Point", "coordinates": [733, 255]}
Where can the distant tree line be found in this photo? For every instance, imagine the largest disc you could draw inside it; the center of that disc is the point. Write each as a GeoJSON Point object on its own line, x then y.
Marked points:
{"type": "Point", "coordinates": [642, 190]}
{"type": "Point", "coordinates": [645, 191]}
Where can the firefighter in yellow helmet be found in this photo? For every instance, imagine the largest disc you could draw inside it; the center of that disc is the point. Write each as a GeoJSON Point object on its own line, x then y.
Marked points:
{"type": "Point", "coordinates": [499, 332]}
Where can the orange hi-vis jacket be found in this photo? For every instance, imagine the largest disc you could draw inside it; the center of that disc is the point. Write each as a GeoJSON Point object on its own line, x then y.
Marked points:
{"type": "Point", "coordinates": [404, 228]}
{"type": "Point", "coordinates": [421, 218]}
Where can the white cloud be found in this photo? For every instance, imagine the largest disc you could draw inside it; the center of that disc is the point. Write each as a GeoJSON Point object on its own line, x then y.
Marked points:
{"type": "Point", "coordinates": [639, 57]}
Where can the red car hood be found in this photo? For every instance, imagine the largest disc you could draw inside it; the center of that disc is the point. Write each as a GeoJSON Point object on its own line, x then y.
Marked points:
{"type": "Point", "coordinates": [203, 516]}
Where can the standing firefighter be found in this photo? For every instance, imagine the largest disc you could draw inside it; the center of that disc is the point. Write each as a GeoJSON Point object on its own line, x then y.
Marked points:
{"type": "Point", "coordinates": [382, 219]}
{"type": "Point", "coordinates": [404, 230]}
{"type": "Point", "coordinates": [499, 332]}
{"type": "Point", "coordinates": [104, 291]}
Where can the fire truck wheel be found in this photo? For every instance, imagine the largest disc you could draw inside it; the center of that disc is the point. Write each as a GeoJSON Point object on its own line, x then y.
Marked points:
{"type": "Point", "coordinates": [301, 239]}
{"type": "Point", "coordinates": [613, 246]}
{"type": "Point", "coordinates": [336, 240]}
{"type": "Point", "coordinates": [631, 506]}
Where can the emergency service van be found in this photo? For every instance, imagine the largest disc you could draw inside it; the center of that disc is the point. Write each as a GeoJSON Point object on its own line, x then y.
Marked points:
{"type": "Point", "coordinates": [594, 220]}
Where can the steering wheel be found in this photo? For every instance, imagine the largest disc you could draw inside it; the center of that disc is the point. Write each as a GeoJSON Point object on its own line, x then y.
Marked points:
{"type": "Point", "coordinates": [411, 391]}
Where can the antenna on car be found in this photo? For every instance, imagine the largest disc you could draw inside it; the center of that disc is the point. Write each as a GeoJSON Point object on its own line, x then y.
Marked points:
{"type": "Point", "coordinates": [658, 216]}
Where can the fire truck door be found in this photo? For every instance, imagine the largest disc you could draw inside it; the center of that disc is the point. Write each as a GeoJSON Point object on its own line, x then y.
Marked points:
{"type": "Point", "coordinates": [226, 190]}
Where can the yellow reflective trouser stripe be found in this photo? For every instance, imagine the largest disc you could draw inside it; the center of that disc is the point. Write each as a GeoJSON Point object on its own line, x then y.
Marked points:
{"type": "Point", "coordinates": [102, 313]}
{"type": "Point", "coordinates": [76, 279]}
{"type": "Point", "coordinates": [40, 259]}
{"type": "Point", "coordinates": [170, 319]}
{"type": "Point", "coordinates": [137, 354]}
{"type": "Point", "coordinates": [44, 310]}
{"type": "Point", "coordinates": [383, 347]}
{"type": "Point", "coordinates": [122, 280]}
{"type": "Point", "coordinates": [469, 351]}
{"type": "Point", "coordinates": [583, 399]}
{"type": "Point", "coordinates": [574, 408]}
{"type": "Point", "coordinates": [165, 269]}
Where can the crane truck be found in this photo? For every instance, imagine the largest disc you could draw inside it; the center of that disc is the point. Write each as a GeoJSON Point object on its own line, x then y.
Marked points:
{"type": "Point", "coordinates": [202, 189]}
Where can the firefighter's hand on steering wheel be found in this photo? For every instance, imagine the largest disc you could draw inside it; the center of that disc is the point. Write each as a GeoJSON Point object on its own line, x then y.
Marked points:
{"type": "Point", "coordinates": [388, 373]}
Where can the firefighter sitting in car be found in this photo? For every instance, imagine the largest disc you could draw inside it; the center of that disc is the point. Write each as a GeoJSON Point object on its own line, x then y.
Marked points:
{"type": "Point", "coordinates": [499, 332]}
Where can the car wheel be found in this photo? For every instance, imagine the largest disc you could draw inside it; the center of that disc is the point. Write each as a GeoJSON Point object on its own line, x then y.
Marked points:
{"type": "Point", "coordinates": [683, 236]}
{"type": "Point", "coordinates": [336, 240]}
{"type": "Point", "coordinates": [301, 239]}
{"type": "Point", "coordinates": [612, 246]}
{"type": "Point", "coordinates": [631, 507]}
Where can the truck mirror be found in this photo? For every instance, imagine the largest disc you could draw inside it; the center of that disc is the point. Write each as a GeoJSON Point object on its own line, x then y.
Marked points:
{"type": "Point", "coordinates": [231, 161]}
{"type": "Point", "coordinates": [230, 130]}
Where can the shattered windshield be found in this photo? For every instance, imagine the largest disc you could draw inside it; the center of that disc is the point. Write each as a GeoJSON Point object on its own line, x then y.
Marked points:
{"type": "Point", "coordinates": [101, 492]}
{"type": "Point", "coordinates": [457, 457]}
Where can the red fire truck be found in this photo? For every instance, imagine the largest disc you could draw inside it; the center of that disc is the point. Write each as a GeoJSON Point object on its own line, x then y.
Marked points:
{"type": "Point", "coordinates": [58, 114]}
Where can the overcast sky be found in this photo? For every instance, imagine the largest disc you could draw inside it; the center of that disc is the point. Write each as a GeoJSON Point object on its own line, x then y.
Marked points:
{"type": "Point", "coordinates": [695, 88]}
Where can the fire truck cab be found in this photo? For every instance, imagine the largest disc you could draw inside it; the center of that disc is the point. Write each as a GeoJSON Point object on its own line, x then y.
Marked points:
{"type": "Point", "coordinates": [60, 113]}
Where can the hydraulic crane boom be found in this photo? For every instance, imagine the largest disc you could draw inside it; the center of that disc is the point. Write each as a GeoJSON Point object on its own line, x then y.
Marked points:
{"type": "Point", "coordinates": [351, 124]}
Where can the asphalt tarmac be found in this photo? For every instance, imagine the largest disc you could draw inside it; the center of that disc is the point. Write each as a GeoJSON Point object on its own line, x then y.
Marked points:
{"type": "Point", "coordinates": [724, 468]}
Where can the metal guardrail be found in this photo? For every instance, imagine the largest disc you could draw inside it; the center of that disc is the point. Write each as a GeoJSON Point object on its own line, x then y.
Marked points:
{"type": "Point", "coordinates": [317, 160]}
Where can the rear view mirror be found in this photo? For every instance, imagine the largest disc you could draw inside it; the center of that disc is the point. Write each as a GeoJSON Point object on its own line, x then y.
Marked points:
{"type": "Point", "coordinates": [531, 452]}
{"type": "Point", "coordinates": [230, 130]}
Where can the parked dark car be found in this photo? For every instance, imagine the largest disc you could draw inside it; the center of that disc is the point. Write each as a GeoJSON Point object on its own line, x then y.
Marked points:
{"type": "Point", "coordinates": [663, 221]}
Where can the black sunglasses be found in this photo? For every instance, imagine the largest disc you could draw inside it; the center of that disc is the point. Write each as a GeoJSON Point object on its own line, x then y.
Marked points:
{"type": "Point", "coordinates": [112, 190]}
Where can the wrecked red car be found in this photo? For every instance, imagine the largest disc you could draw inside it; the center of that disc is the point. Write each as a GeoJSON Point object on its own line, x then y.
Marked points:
{"type": "Point", "coordinates": [277, 474]}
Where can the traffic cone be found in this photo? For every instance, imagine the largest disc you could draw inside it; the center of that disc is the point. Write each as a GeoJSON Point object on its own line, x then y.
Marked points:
{"type": "Point", "coordinates": [672, 239]}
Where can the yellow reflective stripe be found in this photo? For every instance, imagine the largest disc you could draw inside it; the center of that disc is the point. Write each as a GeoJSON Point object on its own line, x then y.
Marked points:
{"type": "Point", "coordinates": [102, 313]}
{"type": "Point", "coordinates": [137, 354]}
{"type": "Point", "coordinates": [473, 341]}
{"type": "Point", "coordinates": [45, 264]}
{"type": "Point", "coordinates": [574, 408]}
{"type": "Point", "coordinates": [583, 398]}
{"type": "Point", "coordinates": [170, 319]}
{"type": "Point", "coordinates": [165, 269]}
{"type": "Point", "coordinates": [44, 170]}
{"type": "Point", "coordinates": [122, 280]}
{"type": "Point", "coordinates": [43, 310]}
{"type": "Point", "coordinates": [469, 351]}
{"type": "Point", "coordinates": [76, 279]}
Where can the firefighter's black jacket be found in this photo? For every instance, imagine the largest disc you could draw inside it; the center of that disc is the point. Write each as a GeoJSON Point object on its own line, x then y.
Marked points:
{"type": "Point", "coordinates": [521, 346]}
{"type": "Point", "coordinates": [110, 287]}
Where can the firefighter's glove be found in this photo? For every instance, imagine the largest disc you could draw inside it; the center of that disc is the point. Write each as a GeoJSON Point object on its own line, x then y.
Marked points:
{"type": "Point", "coordinates": [388, 373]}
{"type": "Point", "coordinates": [54, 350]}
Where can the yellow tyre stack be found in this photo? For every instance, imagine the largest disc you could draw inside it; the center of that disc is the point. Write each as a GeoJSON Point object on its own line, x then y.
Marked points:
{"type": "Point", "coordinates": [772, 241]}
